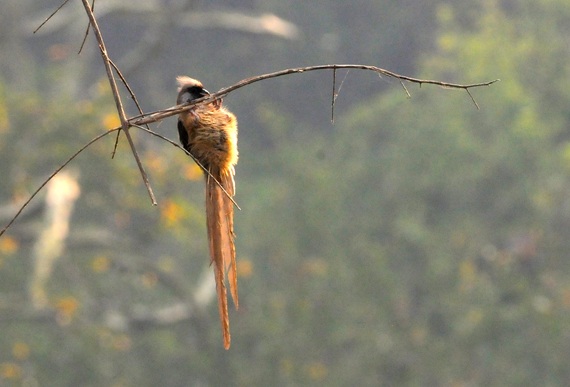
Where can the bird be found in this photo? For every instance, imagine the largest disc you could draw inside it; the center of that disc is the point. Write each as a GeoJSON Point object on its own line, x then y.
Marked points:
{"type": "Point", "coordinates": [209, 133]}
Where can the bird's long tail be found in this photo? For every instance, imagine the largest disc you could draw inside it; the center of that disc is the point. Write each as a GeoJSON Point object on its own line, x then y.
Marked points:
{"type": "Point", "coordinates": [219, 214]}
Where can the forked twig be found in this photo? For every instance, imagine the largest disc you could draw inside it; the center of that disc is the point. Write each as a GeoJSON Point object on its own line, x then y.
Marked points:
{"type": "Point", "coordinates": [131, 93]}
{"type": "Point", "coordinates": [122, 116]}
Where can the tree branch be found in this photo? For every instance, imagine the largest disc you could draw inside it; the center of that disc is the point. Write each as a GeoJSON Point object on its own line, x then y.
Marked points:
{"type": "Point", "coordinates": [158, 115]}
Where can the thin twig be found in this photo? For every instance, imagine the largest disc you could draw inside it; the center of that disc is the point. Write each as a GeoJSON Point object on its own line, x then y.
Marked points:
{"type": "Point", "coordinates": [408, 93]}
{"type": "Point", "coordinates": [122, 116]}
{"type": "Point", "coordinates": [336, 92]}
{"type": "Point", "coordinates": [116, 144]}
{"type": "Point", "coordinates": [50, 16]}
{"type": "Point", "coordinates": [126, 84]}
{"type": "Point", "coordinates": [52, 175]}
{"type": "Point", "coordinates": [340, 86]}
{"type": "Point", "coordinates": [86, 30]}
{"type": "Point", "coordinates": [333, 98]}
{"type": "Point", "coordinates": [472, 99]}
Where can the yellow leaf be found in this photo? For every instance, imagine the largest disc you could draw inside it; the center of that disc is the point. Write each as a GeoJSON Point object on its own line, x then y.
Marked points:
{"type": "Point", "coordinates": [66, 308]}
{"type": "Point", "coordinates": [193, 172]}
{"type": "Point", "coordinates": [10, 371]}
{"type": "Point", "coordinates": [467, 274]}
{"type": "Point", "coordinates": [4, 120]}
{"type": "Point", "coordinates": [171, 213]}
{"type": "Point", "coordinates": [8, 245]}
{"type": "Point", "coordinates": [244, 268]}
{"type": "Point", "coordinates": [317, 370]}
{"type": "Point", "coordinates": [111, 121]}
{"type": "Point", "coordinates": [100, 264]}
{"type": "Point", "coordinates": [20, 350]}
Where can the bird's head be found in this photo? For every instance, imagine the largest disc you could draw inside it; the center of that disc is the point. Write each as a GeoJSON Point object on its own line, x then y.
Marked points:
{"type": "Point", "coordinates": [189, 89]}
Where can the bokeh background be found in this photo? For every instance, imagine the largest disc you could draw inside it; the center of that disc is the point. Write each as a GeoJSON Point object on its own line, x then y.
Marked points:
{"type": "Point", "coordinates": [416, 242]}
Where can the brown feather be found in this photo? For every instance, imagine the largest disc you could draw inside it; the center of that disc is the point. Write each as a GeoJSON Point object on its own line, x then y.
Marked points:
{"type": "Point", "coordinates": [218, 250]}
{"type": "Point", "coordinates": [230, 265]}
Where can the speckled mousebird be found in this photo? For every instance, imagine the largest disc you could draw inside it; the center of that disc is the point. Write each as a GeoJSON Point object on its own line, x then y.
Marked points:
{"type": "Point", "coordinates": [209, 133]}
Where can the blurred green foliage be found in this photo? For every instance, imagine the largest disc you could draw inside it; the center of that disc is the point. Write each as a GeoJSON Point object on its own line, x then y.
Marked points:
{"type": "Point", "coordinates": [416, 242]}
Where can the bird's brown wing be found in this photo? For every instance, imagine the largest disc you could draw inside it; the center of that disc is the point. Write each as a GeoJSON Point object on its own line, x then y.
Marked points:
{"type": "Point", "coordinates": [183, 135]}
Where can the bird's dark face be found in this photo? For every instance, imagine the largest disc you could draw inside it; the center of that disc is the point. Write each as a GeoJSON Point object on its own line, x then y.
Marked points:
{"type": "Point", "coordinates": [190, 93]}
